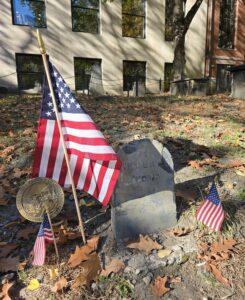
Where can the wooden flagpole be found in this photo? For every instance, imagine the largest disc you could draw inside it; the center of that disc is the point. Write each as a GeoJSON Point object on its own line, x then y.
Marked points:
{"type": "Point", "coordinates": [52, 230]}
{"type": "Point", "coordinates": [47, 71]}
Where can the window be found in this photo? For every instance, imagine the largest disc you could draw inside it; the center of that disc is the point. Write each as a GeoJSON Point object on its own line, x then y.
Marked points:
{"type": "Point", "coordinates": [169, 23]}
{"type": "Point", "coordinates": [226, 24]}
{"type": "Point", "coordinates": [133, 18]}
{"type": "Point", "coordinates": [168, 76]}
{"type": "Point", "coordinates": [85, 16]}
{"type": "Point", "coordinates": [29, 13]}
{"type": "Point", "coordinates": [134, 73]}
{"type": "Point", "coordinates": [30, 71]}
{"type": "Point", "coordinates": [87, 72]}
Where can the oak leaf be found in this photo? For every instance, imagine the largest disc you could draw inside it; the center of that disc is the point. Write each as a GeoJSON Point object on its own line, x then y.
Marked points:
{"type": "Point", "coordinates": [24, 233]}
{"type": "Point", "coordinates": [7, 249]}
{"type": "Point", "coordinates": [159, 286]}
{"type": "Point", "coordinates": [146, 244]}
{"type": "Point", "coordinates": [89, 271]}
{"type": "Point", "coordinates": [114, 266]}
{"type": "Point", "coordinates": [223, 246]}
{"type": "Point", "coordinates": [82, 253]}
{"type": "Point", "coordinates": [217, 274]}
{"type": "Point", "coordinates": [195, 164]}
{"type": "Point", "coordinates": [181, 231]}
{"type": "Point", "coordinates": [4, 291]}
{"type": "Point", "coordinates": [59, 285]}
{"type": "Point", "coordinates": [64, 235]}
{"type": "Point", "coordinates": [9, 264]}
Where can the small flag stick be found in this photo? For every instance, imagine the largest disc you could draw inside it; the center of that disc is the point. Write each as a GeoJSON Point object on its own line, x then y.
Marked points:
{"type": "Point", "coordinates": [46, 67]}
{"type": "Point", "coordinates": [52, 230]}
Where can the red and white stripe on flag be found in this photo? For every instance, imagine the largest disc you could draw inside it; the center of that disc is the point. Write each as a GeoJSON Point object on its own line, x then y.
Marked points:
{"type": "Point", "coordinates": [94, 165]}
{"type": "Point", "coordinates": [211, 212]}
{"type": "Point", "coordinates": [39, 250]}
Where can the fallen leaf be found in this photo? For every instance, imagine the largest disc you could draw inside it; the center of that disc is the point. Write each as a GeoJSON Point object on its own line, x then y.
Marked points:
{"type": "Point", "coordinates": [194, 164]}
{"type": "Point", "coordinates": [59, 285]}
{"type": "Point", "coordinates": [53, 273]}
{"type": "Point", "coordinates": [82, 253]}
{"type": "Point", "coordinates": [7, 151]}
{"type": "Point", "coordinates": [6, 249]}
{"type": "Point", "coordinates": [217, 274]}
{"type": "Point", "coordinates": [64, 235]}
{"type": "Point", "coordinates": [159, 286]}
{"type": "Point", "coordinates": [146, 244]}
{"type": "Point", "coordinates": [22, 265]}
{"type": "Point", "coordinates": [180, 231]}
{"type": "Point", "coordinates": [24, 233]}
{"type": "Point", "coordinates": [4, 291]}
{"type": "Point", "coordinates": [33, 285]}
{"type": "Point", "coordinates": [28, 131]}
{"type": "Point", "coordinates": [223, 246]}
{"type": "Point", "coordinates": [9, 264]}
{"type": "Point", "coordinates": [89, 271]}
{"type": "Point", "coordinates": [114, 266]}
{"type": "Point", "coordinates": [163, 253]}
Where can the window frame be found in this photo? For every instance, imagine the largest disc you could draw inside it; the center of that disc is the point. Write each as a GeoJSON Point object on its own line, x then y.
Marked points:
{"type": "Point", "coordinates": [86, 8]}
{"type": "Point", "coordinates": [135, 61]}
{"type": "Point", "coordinates": [136, 15]}
{"type": "Point", "coordinates": [234, 28]}
{"type": "Point", "coordinates": [13, 14]}
{"type": "Point", "coordinates": [19, 72]}
{"type": "Point", "coordinates": [79, 74]}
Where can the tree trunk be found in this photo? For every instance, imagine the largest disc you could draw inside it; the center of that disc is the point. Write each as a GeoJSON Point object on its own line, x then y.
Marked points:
{"type": "Point", "coordinates": [179, 58]}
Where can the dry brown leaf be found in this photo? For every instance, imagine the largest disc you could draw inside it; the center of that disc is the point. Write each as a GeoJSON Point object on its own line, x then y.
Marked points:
{"type": "Point", "coordinates": [146, 244]}
{"type": "Point", "coordinates": [217, 274]}
{"type": "Point", "coordinates": [6, 152]}
{"type": "Point", "coordinates": [159, 286]}
{"type": "Point", "coordinates": [9, 264]}
{"type": "Point", "coordinates": [180, 231]}
{"type": "Point", "coordinates": [59, 285]}
{"type": "Point", "coordinates": [22, 265]}
{"type": "Point", "coordinates": [195, 164]}
{"type": "Point", "coordinates": [83, 253]}
{"type": "Point", "coordinates": [64, 236]}
{"type": "Point", "coordinates": [24, 233]}
{"type": "Point", "coordinates": [114, 266]}
{"type": "Point", "coordinates": [89, 271]}
{"type": "Point", "coordinates": [223, 246]}
{"type": "Point", "coordinates": [7, 249]}
{"type": "Point", "coordinates": [4, 291]}
{"type": "Point", "coordinates": [28, 131]}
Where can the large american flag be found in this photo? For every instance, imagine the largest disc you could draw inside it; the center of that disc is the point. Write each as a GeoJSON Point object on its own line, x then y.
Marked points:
{"type": "Point", "coordinates": [94, 164]}
{"type": "Point", "coordinates": [44, 236]}
{"type": "Point", "coordinates": [211, 212]}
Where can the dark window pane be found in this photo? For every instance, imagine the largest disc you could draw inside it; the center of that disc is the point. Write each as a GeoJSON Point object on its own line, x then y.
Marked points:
{"type": "Point", "coordinates": [168, 76]}
{"type": "Point", "coordinates": [133, 71]}
{"type": "Point", "coordinates": [133, 18]}
{"type": "Point", "coordinates": [85, 20]}
{"type": "Point", "coordinates": [30, 71]}
{"type": "Point", "coordinates": [227, 24]}
{"type": "Point", "coordinates": [133, 26]}
{"type": "Point", "coordinates": [136, 7]}
{"type": "Point", "coordinates": [86, 3]}
{"type": "Point", "coordinates": [29, 12]}
{"type": "Point", "coordinates": [85, 69]}
{"type": "Point", "coordinates": [169, 24]}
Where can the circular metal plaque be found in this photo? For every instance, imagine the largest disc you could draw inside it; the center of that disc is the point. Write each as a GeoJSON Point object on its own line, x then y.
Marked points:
{"type": "Point", "coordinates": [38, 195]}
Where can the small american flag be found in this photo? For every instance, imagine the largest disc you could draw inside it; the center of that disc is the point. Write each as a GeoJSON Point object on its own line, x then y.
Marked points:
{"type": "Point", "coordinates": [211, 212]}
{"type": "Point", "coordinates": [94, 164]}
{"type": "Point", "coordinates": [44, 235]}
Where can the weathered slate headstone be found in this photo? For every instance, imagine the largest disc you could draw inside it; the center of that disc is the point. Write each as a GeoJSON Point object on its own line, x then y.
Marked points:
{"type": "Point", "coordinates": [144, 199]}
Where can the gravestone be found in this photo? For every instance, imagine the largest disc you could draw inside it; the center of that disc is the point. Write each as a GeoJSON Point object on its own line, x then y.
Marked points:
{"type": "Point", "coordinates": [144, 199]}
{"type": "Point", "coordinates": [96, 84]}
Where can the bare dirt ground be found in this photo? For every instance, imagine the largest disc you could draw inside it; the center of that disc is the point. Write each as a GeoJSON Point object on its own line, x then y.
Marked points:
{"type": "Point", "coordinates": [205, 136]}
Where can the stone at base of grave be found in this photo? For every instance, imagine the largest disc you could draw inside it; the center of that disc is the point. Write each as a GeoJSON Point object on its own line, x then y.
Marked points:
{"type": "Point", "coordinates": [144, 199]}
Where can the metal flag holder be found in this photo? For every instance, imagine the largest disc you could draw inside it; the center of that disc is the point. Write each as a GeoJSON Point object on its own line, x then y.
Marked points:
{"type": "Point", "coordinates": [39, 196]}
{"type": "Point", "coordinates": [47, 72]}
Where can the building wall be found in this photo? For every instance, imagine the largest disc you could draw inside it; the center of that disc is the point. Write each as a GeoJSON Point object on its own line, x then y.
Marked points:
{"type": "Point", "coordinates": [215, 55]}
{"type": "Point", "coordinates": [63, 44]}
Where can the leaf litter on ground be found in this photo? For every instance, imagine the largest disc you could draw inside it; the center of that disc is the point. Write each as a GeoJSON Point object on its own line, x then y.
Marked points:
{"type": "Point", "coordinates": [146, 244]}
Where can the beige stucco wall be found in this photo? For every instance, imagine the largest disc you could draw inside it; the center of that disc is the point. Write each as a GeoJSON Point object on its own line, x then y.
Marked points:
{"type": "Point", "coordinates": [63, 45]}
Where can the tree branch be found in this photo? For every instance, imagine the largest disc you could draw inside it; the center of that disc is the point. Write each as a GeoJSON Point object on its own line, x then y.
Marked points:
{"type": "Point", "coordinates": [191, 13]}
